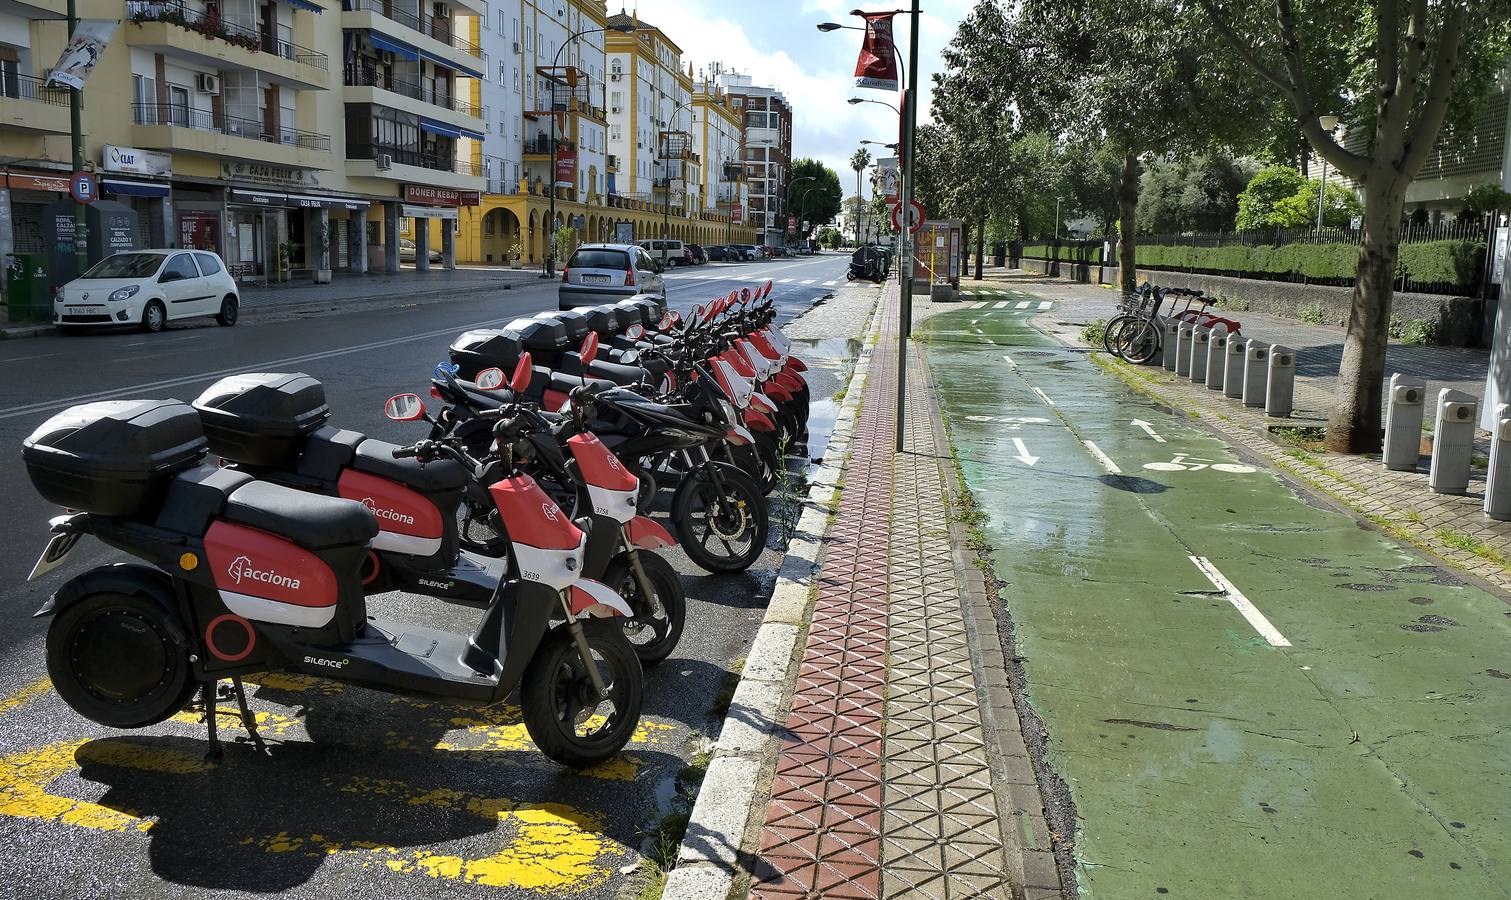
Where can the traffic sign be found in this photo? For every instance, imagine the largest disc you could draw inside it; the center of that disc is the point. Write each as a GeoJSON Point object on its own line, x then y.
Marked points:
{"type": "Point", "coordinates": [915, 219]}
{"type": "Point", "coordinates": [83, 188]}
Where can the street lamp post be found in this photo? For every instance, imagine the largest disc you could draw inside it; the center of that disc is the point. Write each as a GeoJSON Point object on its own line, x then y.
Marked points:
{"type": "Point", "coordinates": [1057, 218]}
{"type": "Point", "coordinates": [622, 28]}
{"type": "Point", "coordinates": [1328, 123]}
{"type": "Point", "coordinates": [787, 200]}
{"type": "Point", "coordinates": [666, 208]}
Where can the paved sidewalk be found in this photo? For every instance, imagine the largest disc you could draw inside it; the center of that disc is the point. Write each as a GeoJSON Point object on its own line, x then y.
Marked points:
{"type": "Point", "coordinates": [887, 783]}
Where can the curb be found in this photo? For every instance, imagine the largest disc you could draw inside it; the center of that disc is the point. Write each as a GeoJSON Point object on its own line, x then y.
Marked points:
{"type": "Point", "coordinates": [707, 861]}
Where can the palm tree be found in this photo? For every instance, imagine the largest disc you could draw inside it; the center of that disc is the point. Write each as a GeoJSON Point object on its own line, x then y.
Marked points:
{"type": "Point", "coordinates": [858, 162]}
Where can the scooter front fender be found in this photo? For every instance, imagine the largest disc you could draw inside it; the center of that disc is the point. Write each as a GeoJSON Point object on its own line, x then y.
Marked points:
{"type": "Point", "coordinates": [597, 599]}
{"type": "Point", "coordinates": [647, 534]}
{"type": "Point", "coordinates": [117, 578]}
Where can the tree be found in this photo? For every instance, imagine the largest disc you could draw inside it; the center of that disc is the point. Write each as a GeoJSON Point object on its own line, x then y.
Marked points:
{"type": "Point", "coordinates": [1393, 73]}
{"type": "Point", "coordinates": [1269, 186]}
{"type": "Point", "coordinates": [858, 161]}
{"type": "Point", "coordinates": [1486, 198]}
{"type": "Point", "coordinates": [817, 201]}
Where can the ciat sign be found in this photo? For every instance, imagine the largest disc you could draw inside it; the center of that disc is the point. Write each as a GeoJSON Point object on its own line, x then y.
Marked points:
{"type": "Point", "coordinates": [436, 196]}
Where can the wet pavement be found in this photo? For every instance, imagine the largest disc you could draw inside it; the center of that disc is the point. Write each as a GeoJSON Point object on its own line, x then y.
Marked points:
{"type": "Point", "coordinates": [1245, 692]}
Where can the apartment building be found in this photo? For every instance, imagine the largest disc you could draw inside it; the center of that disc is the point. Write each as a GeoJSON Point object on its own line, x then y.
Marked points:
{"type": "Point", "coordinates": [766, 148]}
{"type": "Point", "coordinates": [717, 129]}
{"type": "Point", "coordinates": [293, 137]}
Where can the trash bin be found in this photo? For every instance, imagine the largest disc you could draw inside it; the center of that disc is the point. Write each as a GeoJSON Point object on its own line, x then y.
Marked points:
{"type": "Point", "coordinates": [26, 289]}
{"type": "Point", "coordinates": [999, 254]}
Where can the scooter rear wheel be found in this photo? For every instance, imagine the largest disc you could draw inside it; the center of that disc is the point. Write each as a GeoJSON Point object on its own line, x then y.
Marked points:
{"type": "Point", "coordinates": [561, 709]}
{"type": "Point", "coordinates": [113, 658]}
{"type": "Point", "coordinates": [653, 637]}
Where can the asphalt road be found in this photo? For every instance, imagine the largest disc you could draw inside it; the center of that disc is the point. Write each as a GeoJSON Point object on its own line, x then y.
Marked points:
{"type": "Point", "coordinates": [364, 794]}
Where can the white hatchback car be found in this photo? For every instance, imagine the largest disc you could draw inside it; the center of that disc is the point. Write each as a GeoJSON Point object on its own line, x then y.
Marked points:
{"type": "Point", "coordinates": [148, 288]}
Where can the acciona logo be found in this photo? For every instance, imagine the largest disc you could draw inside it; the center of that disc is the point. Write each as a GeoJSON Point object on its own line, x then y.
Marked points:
{"type": "Point", "coordinates": [242, 567]}
{"type": "Point", "coordinates": [391, 515]}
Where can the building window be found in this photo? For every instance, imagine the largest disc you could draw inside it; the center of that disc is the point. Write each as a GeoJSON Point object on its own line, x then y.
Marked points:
{"type": "Point", "coordinates": [503, 73]}
{"type": "Point", "coordinates": [516, 79]}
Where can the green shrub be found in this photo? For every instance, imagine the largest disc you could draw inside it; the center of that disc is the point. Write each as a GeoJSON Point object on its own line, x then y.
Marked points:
{"type": "Point", "coordinates": [1067, 252]}
{"type": "Point", "coordinates": [1093, 332]}
{"type": "Point", "coordinates": [1313, 315]}
{"type": "Point", "coordinates": [1448, 262]}
{"type": "Point", "coordinates": [1419, 332]}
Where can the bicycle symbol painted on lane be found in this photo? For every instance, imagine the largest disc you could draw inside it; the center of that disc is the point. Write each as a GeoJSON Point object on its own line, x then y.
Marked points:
{"type": "Point", "coordinates": [1183, 463]}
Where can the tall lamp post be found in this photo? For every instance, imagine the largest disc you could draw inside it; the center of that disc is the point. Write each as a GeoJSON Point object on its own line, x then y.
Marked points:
{"type": "Point", "coordinates": [666, 208]}
{"type": "Point", "coordinates": [909, 140]}
{"type": "Point", "coordinates": [622, 28]}
{"type": "Point", "coordinates": [787, 202]}
{"type": "Point", "coordinates": [1328, 123]}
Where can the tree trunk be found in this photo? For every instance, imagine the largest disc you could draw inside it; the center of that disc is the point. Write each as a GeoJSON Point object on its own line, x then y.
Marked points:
{"type": "Point", "coordinates": [980, 247]}
{"type": "Point", "coordinates": [1127, 212]}
{"type": "Point", "coordinates": [965, 248]}
{"type": "Point", "coordinates": [1353, 425]}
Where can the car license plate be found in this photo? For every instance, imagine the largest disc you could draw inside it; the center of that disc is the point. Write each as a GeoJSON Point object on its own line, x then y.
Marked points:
{"type": "Point", "coordinates": [595, 279]}
{"type": "Point", "coordinates": [57, 550]}
{"type": "Point", "coordinates": [83, 310]}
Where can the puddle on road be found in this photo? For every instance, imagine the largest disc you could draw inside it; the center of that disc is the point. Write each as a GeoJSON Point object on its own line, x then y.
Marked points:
{"type": "Point", "coordinates": [830, 362]}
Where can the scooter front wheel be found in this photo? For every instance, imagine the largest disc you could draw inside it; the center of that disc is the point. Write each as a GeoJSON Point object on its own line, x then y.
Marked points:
{"type": "Point", "coordinates": [720, 530]}
{"type": "Point", "coordinates": [653, 632]}
{"type": "Point", "coordinates": [114, 659]}
{"type": "Point", "coordinates": [566, 718]}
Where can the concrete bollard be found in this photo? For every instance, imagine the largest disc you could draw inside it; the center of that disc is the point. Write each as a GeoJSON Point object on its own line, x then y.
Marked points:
{"type": "Point", "coordinates": [1280, 388]}
{"type": "Point", "coordinates": [1452, 442]}
{"type": "Point", "coordinates": [1171, 346]}
{"type": "Point", "coordinates": [1232, 379]}
{"type": "Point", "coordinates": [1183, 350]}
{"type": "Point", "coordinates": [1256, 367]}
{"type": "Point", "coordinates": [1201, 338]}
{"type": "Point", "coordinates": [1403, 423]}
{"type": "Point", "coordinates": [1217, 357]}
{"type": "Point", "coordinates": [1498, 481]}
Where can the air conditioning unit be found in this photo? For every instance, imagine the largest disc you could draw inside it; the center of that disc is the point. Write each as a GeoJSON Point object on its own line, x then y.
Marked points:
{"type": "Point", "coordinates": [617, 76]}
{"type": "Point", "coordinates": [206, 83]}
{"type": "Point", "coordinates": [383, 161]}
{"type": "Point", "coordinates": [616, 110]}
{"type": "Point", "coordinates": [516, 46]}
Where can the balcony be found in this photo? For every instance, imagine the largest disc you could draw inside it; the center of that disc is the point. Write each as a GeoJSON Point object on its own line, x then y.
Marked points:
{"type": "Point", "coordinates": [205, 38]}
{"type": "Point", "coordinates": [432, 35]}
{"type": "Point", "coordinates": [540, 145]}
{"type": "Point", "coordinates": [365, 85]}
{"type": "Point", "coordinates": [414, 166]}
{"type": "Point", "coordinates": [26, 105]}
{"type": "Point", "coordinates": [167, 126]}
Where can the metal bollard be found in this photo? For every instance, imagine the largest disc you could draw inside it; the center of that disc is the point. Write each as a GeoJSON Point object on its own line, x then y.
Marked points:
{"type": "Point", "coordinates": [1256, 367]}
{"type": "Point", "coordinates": [1280, 390]}
{"type": "Point", "coordinates": [1452, 442]}
{"type": "Point", "coordinates": [1170, 347]}
{"type": "Point", "coordinates": [1183, 350]}
{"type": "Point", "coordinates": [1498, 481]}
{"type": "Point", "coordinates": [1201, 338]}
{"type": "Point", "coordinates": [1217, 352]}
{"type": "Point", "coordinates": [1403, 423]}
{"type": "Point", "coordinates": [1232, 379]}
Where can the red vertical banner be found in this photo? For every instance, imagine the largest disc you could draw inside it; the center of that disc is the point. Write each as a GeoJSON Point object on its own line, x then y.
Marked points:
{"type": "Point", "coordinates": [566, 167]}
{"type": "Point", "coordinates": [877, 66]}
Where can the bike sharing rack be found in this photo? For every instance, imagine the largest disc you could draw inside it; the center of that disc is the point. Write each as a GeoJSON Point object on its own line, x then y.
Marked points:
{"type": "Point", "coordinates": [1498, 480]}
{"type": "Point", "coordinates": [1452, 442]}
{"type": "Point", "coordinates": [1201, 338]}
{"type": "Point", "coordinates": [1217, 352]}
{"type": "Point", "coordinates": [1403, 423]}
{"type": "Point", "coordinates": [1232, 380]}
{"type": "Point", "coordinates": [1256, 367]}
{"type": "Point", "coordinates": [1170, 349]}
{"type": "Point", "coordinates": [1280, 387]}
{"type": "Point", "coordinates": [1183, 350]}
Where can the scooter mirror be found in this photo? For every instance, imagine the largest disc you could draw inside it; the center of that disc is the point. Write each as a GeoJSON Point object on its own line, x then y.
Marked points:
{"type": "Point", "coordinates": [490, 379]}
{"type": "Point", "coordinates": [404, 407]}
{"type": "Point", "coordinates": [767, 292]}
{"type": "Point", "coordinates": [629, 357]}
{"type": "Point", "coordinates": [697, 310]}
{"type": "Point", "coordinates": [667, 321]}
{"type": "Point", "coordinates": [635, 332]}
{"type": "Point", "coordinates": [589, 348]}
{"type": "Point", "coordinates": [744, 294]}
{"type": "Point", "coordinates": [522, 370]}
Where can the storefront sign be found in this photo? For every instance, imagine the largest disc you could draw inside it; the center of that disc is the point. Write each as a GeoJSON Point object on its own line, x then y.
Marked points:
{"type": "Point", "coordinates": [566, 167]}
{"type": "Point", "coordinates": [438, 196]}
{"type": "Point", "coordinates": [199, 230]}
{"type": "Point", "coordinates": [134, 161]}
{"type": "Point", "coordinates": [25, 181]}
{"type": "Point", "coordinates": [265, 173]}
{"type": "Point", "coordinates": [428, 212]}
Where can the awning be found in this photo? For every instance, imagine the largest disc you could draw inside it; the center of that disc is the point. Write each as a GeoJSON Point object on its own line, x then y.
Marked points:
{"type": "Point", "coordinates": [392, 46]}
{"type": "Point", "coordinates": [304, 201]}
{"type": "Point", "coordinates": [306, 4]}
{"type": "Point", "coordinates": [451, 131]}
{"type": "Point", "coordinates": [134, 188]}
{"type": "Point", "coordinates": [256, 198]}
{"type": "Point", "coordinates": [447, 63]}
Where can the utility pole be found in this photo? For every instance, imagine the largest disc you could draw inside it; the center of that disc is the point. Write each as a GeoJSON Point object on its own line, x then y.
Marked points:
{"type": "Point", "coordinates": [905, 258]}
{"type": "Point", "coordinates": [75, 115]}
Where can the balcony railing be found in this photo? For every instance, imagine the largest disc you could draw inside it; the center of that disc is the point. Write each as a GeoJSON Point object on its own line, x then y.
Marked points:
{"type": "Point", "coordinates": [25, 87]}
{"type": "Point", "coordinates": [211, 24]}
{"type": "Point", "coordinates": [405, 156]}
{"type": "Point", "coordinates": [365, 76]}
{"type": "Point", "coordinates": [425, 23]}
{"type": "Point", "coordinates": [540, 145]}
{"type": "Point", "coordinates": [199, 120]}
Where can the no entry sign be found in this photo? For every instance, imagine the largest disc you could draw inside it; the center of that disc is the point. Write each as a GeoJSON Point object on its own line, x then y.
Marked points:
{"type": "Point", "coordinates": [915, 217]}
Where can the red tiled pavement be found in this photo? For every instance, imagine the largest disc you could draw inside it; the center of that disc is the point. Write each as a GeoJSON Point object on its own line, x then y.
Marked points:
{"type": "Point", "coordinates": [822, 836]}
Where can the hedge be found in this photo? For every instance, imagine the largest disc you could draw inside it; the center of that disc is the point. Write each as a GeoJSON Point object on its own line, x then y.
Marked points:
{"type": "Point", "coordinates": [1455, 263]}
{"type": "Point", "coordinates": [1067, 252]}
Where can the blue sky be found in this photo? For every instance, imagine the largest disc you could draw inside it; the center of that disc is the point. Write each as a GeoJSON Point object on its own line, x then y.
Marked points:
{"type": "Point", "coordinates": [776, 42]}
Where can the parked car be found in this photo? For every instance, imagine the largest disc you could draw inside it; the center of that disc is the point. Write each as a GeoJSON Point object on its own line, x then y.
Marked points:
{"type": "Point", "coordinates": [148, 288]}
{"type": "Point", "coordinates": [408, 253]}
{"type": "Point", "coordinates": [720, 253]}
{"type": "Point", "coordinates": [603, 273]}
{"type": "Point", "coordinates": [748, 251]}
{"type": "Point", "coordinates": [666, 252]}
{"type": "Point", "coordinates": [688, 259]}
{"type": "Point", "coordinates": [700, 256]}
{"type": "Point", "coordinates": [782, 251]}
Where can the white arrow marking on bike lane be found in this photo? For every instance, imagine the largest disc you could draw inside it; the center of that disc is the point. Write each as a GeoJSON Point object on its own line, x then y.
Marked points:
{"type": "Point", "coordinates": [1140, 423]}
{"type": "Point", "coordinates": [1013, 364]}
{"type": "Point", "coordinates": [1233, 595]}
{"type": "Point", "coordinates": [1023, 455]}
{"type": "Point", "coordinates": [1104, 459]}
{"type": "Point", "coordinates": [1042, 396]}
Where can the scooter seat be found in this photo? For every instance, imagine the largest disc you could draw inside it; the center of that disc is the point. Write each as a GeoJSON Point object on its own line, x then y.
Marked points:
{"type": "Point", "coordinates": [376, 458]}
{"type": "Point", "coordinates": [309, 520]}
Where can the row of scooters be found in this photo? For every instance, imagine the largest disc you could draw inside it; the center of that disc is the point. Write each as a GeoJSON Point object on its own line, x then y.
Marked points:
{"type": "Point", "coordinates": [530, 499]}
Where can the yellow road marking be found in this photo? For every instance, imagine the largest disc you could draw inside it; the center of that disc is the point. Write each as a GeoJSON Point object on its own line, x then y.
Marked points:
{"type": "Point", "coordinates": [25, 695]}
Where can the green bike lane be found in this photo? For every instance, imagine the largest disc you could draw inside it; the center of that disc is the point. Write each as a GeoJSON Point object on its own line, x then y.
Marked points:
{"type": "Point", "coordinates": [1247, 695]}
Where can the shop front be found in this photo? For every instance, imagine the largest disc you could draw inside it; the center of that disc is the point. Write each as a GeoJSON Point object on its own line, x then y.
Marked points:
{"type": "Point", "coordinates": [430, 216]}
{"type": "Point", "coordinates": [274, 236]}
{"type": "Point", "coordinates": [141, 180]}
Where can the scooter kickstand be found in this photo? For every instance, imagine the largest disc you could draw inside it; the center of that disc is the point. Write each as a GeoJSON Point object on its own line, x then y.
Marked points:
{"type": "Point", "coordinates": [208, 691]}
{"type": "Point", "coordinates": [248, 721]}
